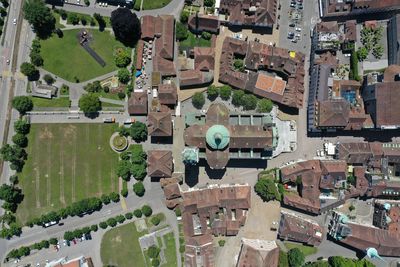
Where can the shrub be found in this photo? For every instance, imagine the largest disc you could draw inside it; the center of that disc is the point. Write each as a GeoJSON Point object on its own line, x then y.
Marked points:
{"type": "Point", "coordinates": [212, 92]}
{"type": "Point", "coordinates": [178, 212]}
{"type": "Point", "coordinates": [181, 32]}
{"type": "Point", "coordinates": [121, 95]}
{"type": "Point", "coordinates": [221, 242]}
{"type": "Point", "coordinates": [182, 248]}
{"type": "Point", "coordinates": [120, 218]}
{"type": "Point", "coordinates": [155, 262]}
{"type": "Point", "coordinates": [112, 222]}
{"type": "Point", "coordinates": [153, 252]}
{"type": "Point", "coordinates": [295, 257]}
{"type": "Point", "coordinates": [225, 92]}
{"type": "Point", "coordinates": [53, 241]}
{"type": "Point", "coordinates": [147, 211]}
{"type": "Point", "coordinates": [139, 189]}
{"type": "Point", "coordinates": [105, 199]}
{"type": "Point", "coordinates": [264, 105]}
{"type": "Point", "coordinates": [155, 220]}
{"type": "Point", "coordinates": [22, 126]}
{"type": "Point", "coordinates": [114, 197]}
{"type": "Point", "coordinates": [206, 35]}
{"type": "Point", "coordinates": [138, 213]}
{"type": "Point", "coordinates": [48, 79]}
{"type": "Point", "coordinates": [198, 100]}
{"type": "Point", "coordinates": [94, 228]}
{"type": "Point", "coordinates": [129, 215]}
{"type": "Point", "coordinates": [103, 225]}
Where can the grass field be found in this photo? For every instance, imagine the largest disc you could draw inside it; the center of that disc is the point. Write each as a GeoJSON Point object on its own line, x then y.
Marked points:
{"type": "Point", "coordinates": [192, 41]}
{"type": "Point", "coordinates": [62, 102]}
{"type": "Point", "coordinates": [65, 57]}
{"type": "Point", "coordinates": [150, 4]}
{"type": "Point", "coordinates": [307, 250]}
{"type": "Point", "coordinates": [120, 247]}
{"type": "Point", "coordinates": [66, 163]}
{"type": "Point", "coordinates": [170, 251]}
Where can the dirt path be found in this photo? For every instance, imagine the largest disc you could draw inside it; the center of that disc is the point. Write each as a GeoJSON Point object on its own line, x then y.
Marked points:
{"type": "Point", "coordinates": [37, 178]}
{"type": "Point", "coordinates": [47, 176]}
{"type": "Point", "coordinates": [87, 176]}
{"type": "Point", "coordinates": [62, 196]}
{"type": "Point", "coordinates": [99, 176]}
{"type": "Point", "coordinates": [73, 198]}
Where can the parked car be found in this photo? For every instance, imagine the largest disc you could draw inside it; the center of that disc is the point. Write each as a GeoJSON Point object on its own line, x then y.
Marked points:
{"type": "Point", "coordinates": [292, 24]}
{"type": "Point", "coordinates": [109, 120]}
{"type": "Point", "coordinates": [298, 29]}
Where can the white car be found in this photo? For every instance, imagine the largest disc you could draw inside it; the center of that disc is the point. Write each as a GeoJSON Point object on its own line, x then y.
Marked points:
{"type": "Point", "coordinates": [14, 21]}
{"type": "Point", "coordinates": [298, 29]}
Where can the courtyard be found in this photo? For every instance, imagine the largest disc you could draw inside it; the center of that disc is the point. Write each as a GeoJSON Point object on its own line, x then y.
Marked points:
{"type": "Point", "coordinates": [65, 57]}
{"type": "Point", "coordinates": [66, 163]}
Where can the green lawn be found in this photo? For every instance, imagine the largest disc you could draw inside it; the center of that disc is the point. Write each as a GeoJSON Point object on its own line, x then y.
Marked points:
{"type": "Point", "coordinates": [192, 41]}
{"type": "Point", "coordinates": [307, 250]}
{"type": "Point", "coordinates": [66, 163]}
{"type": "Point", "coordinates": [154, 4]}
{"type": "Point", "coordinates": [53, 103]}
{"type": "Point", "coordinates": [170, 251]}
{"type": "Point", "coordinates": [112, 105]}
{"type": "Point", "coordinates": [58, 17]}
{"type": "Point", "coordinates": [120, 247]}
{"type": "Point", "coordinates": [65, 57]}
{"type": "Point", "coordinates": [107, 95]}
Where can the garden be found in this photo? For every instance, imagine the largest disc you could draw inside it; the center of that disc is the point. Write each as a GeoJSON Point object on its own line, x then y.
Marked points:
{"type": "Point", "coordinates": [371, 39]}
{"type": "Point", "coordinates": [66, 58]}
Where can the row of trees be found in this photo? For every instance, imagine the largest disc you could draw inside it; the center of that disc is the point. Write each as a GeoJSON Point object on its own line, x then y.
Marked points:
{"type": "Point", "coordinates": [77, 233]}
{"type": "Point", "coordinates": [25, 251]}
{"type": "Point", "coordinates": [133, 163]}
{"type": "Point", "coordinates": [82, 207]}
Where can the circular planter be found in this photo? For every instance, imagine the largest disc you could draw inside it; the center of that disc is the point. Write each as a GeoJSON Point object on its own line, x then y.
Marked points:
{"type": "Point", "coordinates": [118, 143]}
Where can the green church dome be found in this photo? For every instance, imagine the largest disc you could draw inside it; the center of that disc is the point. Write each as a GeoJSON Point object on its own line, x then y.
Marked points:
{"type": "Point", "coordinates": [217, 137]}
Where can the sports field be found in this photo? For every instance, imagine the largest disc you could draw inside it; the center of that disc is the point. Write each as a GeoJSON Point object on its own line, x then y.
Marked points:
{"type": "Point", "coordinates": [66, 163]}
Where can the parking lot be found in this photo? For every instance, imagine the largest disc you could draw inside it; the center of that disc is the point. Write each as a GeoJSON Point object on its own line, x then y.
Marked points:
{"type": "Point", "coordinates": [296, 18]}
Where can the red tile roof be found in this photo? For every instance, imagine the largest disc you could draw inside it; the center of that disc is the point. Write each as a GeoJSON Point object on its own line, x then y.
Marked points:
{"type": "Point", "coordinates": [137, 103]}
{"type": "Point", "coordinates": [160, 124]}
{"type": "Point", "coordinates": [160, 163]}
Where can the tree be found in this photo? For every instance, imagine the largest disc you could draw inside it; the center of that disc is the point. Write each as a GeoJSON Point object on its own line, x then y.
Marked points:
{"type": "Point", "coordinates": [68, 235]}
{"type": "Point", "coordinates": [120, 218]}
{"type": "Point", "coordinates": [138, 131]}
{"type": "Point", "coordinates": [155, 220]}
{"type": "Point", "coordinates": [73, 18]}
{"type": "Point", "coordinates": [264, 105]}
{"type": "Point", "coordinates": [209, 3]}
{"type": "Point", "coordinates": [20, 140]}
{"type": "Point", "coordinates": [237, 98]}
{"type": "Point", "coordinates": [138, 156]}
{"type": "Point", "coordinates": [40, 17]}
{"type": "Point", "coordinates": [184, 17]}
{"type": "Point", "coordinates": [351, 179]}
{"type": "Point", "coordinates": [225, 92]}
{"type": "Point", "coordinates": [139, 189]}
{"type": "Point", "coordinates": [139, 171]}
{"type": "Point", "coordinates": [249, 102]}
{"type": "Point", "coordinates": [83, 20]}
{"type": "Point", "coordinates": [53, 241]}
{"type": "Point", "coordinates": [155, 262]}
{"type": "Point", "coordinates": [266, 189]}
{"type": "Point", "coordinates": [36, 58]}
{"type": "Point", "coordinates": [112, 222]}
{"type": "Point", "coordinates": [124, 76]}
{"type": "Point", "coordinates": [206, 35]}
{"type": "Point", "coordinates": [10, 194]}
{"type": "Point", "coordinates": [22, 104]}
{"type": "Point", "coordinates": [198, 100]}
{"type": "Point", "coordinates": [100, 20]}
{"type": "Point", "coordinates": [93, 87]}
{"type": "Point", "coordinates": [48, 79]}
{"type": "Point", "coordinates": [126, 26]}
{"type": "Point", "coordinates": [212, 92]}
{"type": "Point", "coordinates": [362, 53]}
{"type": "Point", "coordinates": [89, 103]}
{"type": "Point", "coordinates": [114, 197]}
{"type": "Point", "coordinates": [14, 179]}
{"type": "Point", "coordinates": [137, 213]}
{"type": "Point", "coordinates": [105, 199]}
{"type": "Point", "coordinates": [221, 242]}
{"type": "Point", "coordinates": [295, 257]}
{"type": "Point", "coordinates": [103, 225]}
{"type": "Point", "coordinates": [147, 211]}
{"type": "Point", "coordinates": [181, 31]}
{"type": "Point", "coordinates": [94, 228]}
{"type": "Point", "coordinates": [30, 71]}
{"type": "Point", "coordinates": [124, 192]}
{"type": "Point", "coordinates": [124, 170]}
{"type": "Point", "coordinates": [238, 65]}
{"type": "Point", "coordinates": [121, 95]}
{"type": "Point", "coordinates": [378, 51]}
{"type": "Point", "coordinates": [153, 252]}
{"type": "Point", "coordinates": [122, 58]}
{"type": "Point", "coordinates": [351, 208]}
{"type": "Point", "coordinates": [22, 126]}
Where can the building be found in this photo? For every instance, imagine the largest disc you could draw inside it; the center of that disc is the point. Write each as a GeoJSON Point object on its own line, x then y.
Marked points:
{"type": "Point", "coordinates": [204, 58]}
{"type": "Point", "coordinates": [195, 78]}
{"type": "Point", "coordinates": [352, 9]}
{"type": "Point", "coordinates": [317, 184]}
{"type": "Point", "coordinates": [44, 90]}
{"type": "Point", "coordinates": [250, 13]}
{"type": "Point", "coordinates": [198, 23]}
{"type": "Point", "coordinates": [364, 237]}
{"type": "Point", "coordinates": [262, 62]}
{"type": "Point", "coordinates": [212, 210]}
{"type": "Point", "coordinates": [137, 103]}
{"type": "Point", "coordinates": [161, 29]}
{"type": "Point", "coordinates": [258, 253]}
{"type": "Point", "coordinates": [159, 164]}
{"type": "Point", "coordinates": [380, 99]}
{"type": "Point", "coordinates": [77, 262]}
{"type": "Point", "coordinates": [298, 229]}
{"type": "Point", "coordinates": [167, 94]}
{"type": "Point", "coordinates": [220, 136]}
{"type": "Point", "coordinates": [139, 55]}
{"type": "Point", "coordinates": [160, 124]}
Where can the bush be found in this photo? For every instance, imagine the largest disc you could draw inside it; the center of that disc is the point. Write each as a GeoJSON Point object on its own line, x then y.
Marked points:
{"type": "Point", "coordinates": [72, 18]}
{"type": "Point", "coordinates": [139, 189]}
{"type": "Point", "coordinates": [212, 92]}
{"type": "Point", "coordinates": [103, 225]}
{"type": "Point", "coordinates": [181, 32]}
{"type": "Point", "coordinates": [83, 21]}
{"type": "Point", "coordinates": [182, 249]}
{"type": "Point", "coordinates": [267, 190]}
{"type": "Point", "coordinates": [147, 211]}
{"type": "Point", "coordinates": [206, 35]}
{"type": "Point", "coordinates": [138, 213]}
{"type": "Point", "coordinates": [120, 218]}
{"type": "Point", "coordinates": [155, 220]}
{"type": "Point", "coordinates": [153, 252]}
{"type": "Point", "coordinates": [198, 100]}
{"type": "Point", "coordinates": [94, 228]}
{"type": "Point", "coordinates": [53, 241]}
{"type": "Point", "coordinates": [209, 3]}
{"type": "Point", "coordinates": [295, 257]}
{"type": "Point", "coordinates": [264, 105]}
{"type": "Point", "coordinates": [112, 222]}
{"type": "Point", "coordinates": [178, 212]}
{"type": "Point", "coordinates": [20, 140]}
{"type": "Point", "coordinates": [105, 199]}
{"type": "Point", "coordinates": [221, 242]}
{"type": "Point", "coordinates": [21, 126]}
{"type": "Point", "coordinates": [155, 262]}
{"type": "Point", "coordinates": [114, 197]}
{"type": "Point", "coordinates": [124, 192]}
{"type": "Point", "coordinates": [129, 215]}
{"type": "Point", "coordinates": [225, 92]}
{"type": "Point", "coordinates": [184, 17]}
{"type": "Point", "coordinates": [121, 95]}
